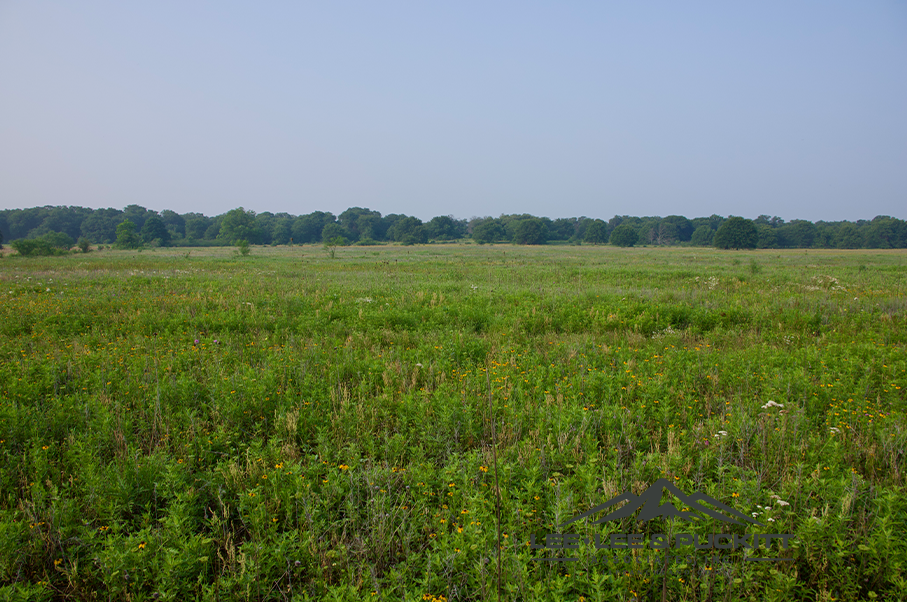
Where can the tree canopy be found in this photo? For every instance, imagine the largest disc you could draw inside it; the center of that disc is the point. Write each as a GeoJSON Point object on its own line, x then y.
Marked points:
{"type": "Point", "coordinates": [360, 225]}
{"type": "Point", "coordinates": [736, 233]}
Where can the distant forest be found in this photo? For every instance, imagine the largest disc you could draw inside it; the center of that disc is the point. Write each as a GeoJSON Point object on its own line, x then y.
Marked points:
{"type": "Point", "coordinates": [69, 225]}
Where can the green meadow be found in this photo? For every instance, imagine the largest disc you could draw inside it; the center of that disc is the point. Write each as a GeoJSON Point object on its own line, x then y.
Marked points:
{"type": "Point", "coordinates": [402, 423]}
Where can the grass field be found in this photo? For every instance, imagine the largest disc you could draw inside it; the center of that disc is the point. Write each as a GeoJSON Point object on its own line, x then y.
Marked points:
{"type": "Point", "coordinates": [198, 425]}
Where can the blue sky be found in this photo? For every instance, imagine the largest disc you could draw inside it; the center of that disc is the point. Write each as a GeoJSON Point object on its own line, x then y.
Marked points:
{"type": "Point", "coordinates": [795, 109]}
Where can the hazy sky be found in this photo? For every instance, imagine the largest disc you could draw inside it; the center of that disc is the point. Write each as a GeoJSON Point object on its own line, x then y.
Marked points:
{"type": "Point", "coordinates": [795, 109]}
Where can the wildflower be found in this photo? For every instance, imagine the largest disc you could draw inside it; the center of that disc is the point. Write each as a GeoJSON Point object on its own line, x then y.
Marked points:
{"type": "Point", "coordinates": [196, 341]}
{"type": "Point", "coordinates": [783, 503]}
{"type": "Point", "coordinates": [142, 546]}
{"type": "Point", "coordinates": [772, 404]}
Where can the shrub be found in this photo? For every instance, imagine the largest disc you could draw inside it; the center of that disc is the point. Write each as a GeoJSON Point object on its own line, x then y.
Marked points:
{"type": "Point", "coordinates": [34, 247]}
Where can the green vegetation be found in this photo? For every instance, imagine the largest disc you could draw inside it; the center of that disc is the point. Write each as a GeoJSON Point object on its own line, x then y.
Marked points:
{"type": "Point", "coordinates": [126, 236]}
{"type": "Point", "coordinates": [736, 233]}
{"type": "Point", "coordinates": [287, 426]}
{"type": "Point", "coordinates": [364, 226]}
{"type": "Point", "coordinates": [624, 235]}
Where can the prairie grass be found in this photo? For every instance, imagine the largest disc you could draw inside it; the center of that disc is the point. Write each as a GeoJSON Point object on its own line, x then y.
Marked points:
{"type": "Point", "coordinates": [288, 425]}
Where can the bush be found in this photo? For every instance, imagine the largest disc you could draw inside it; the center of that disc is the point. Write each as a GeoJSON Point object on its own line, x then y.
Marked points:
{"type": "Point", "coordinates": [243, 247]}
{"type": "Point", "coordinates": [84, 244]}
{"type": "Point", "coordinates": [60, 240]}
{"type": "Point", "coordinates": [34, 247]}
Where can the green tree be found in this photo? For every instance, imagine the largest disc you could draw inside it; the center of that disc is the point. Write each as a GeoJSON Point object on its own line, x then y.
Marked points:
{"type": "Point", "coordinates": [488, 231]}
{"type": "Point", "coordinates": [767, 237]}
{"type": "Point", "coordinates": [683, 227]}
{"type": "Point", "coordinates": [308, 228]}
{"type": "Point", "coordinates": [101, 226]}
{"type": "Point", "coordinates": [736, 233]}
{"type": "Point", "coordinates": [445, 227]}
{"type": "Point", "coordinates": [624, 235]}
{"type": "Point", "coordinates": [332, 231]}
{"type": "Point", "coordinates": [532, 231]}
{"type": "Point", "coordinates": [196, 225]}
{"type": "Point", "coordinates": [408, 230]}
{"type": "Point", "coordinates": [155, 229]}
{"type": "Point", "coordinates": [596, 233]}
{"type": "Point", "coordinates": [849, 236]}
{"type": "Point", "coordinates": [239, 224]}
{"type": "Point", "coordinates": [60, 240]}
{"type": "Point", "coordinates": [702, 236]}
{"type": "Point", "coordinates": [126, 236]}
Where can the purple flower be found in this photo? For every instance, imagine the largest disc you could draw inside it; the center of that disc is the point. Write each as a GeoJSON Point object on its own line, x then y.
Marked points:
{"type": "Point", "coordinates": [216, 342]}
{"type": "Point", "coordinates": [196, 341]}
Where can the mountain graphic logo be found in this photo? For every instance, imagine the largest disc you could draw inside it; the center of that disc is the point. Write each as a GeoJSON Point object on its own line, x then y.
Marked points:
{"type": "Point", "coordinates": [649, 505]}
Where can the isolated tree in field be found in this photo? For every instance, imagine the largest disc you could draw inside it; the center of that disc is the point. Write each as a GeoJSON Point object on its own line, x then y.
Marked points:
{"type": "Point", "coordinates": [624, 235]}
{"type": "Point", "coordinates": [736, 233]}
{"type": "Point", "coordinates": [126, 236]}
{"type": "Point", "coordinates": [596, 233]}
{"type": "Point", "coordinates": [532, 231]}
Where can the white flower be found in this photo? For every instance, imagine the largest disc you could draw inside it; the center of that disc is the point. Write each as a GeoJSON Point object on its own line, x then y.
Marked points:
{"type": "Point", "coordinates": [418, 365]}
{"type": "Point", "coordinates": [768, 507]}
{"type": "Point", "coordinates": [771, 520]}
{"type": "Point", "coordinates": [783, 503]}
{"type": "Point", "coordinates": [835, 430]}
{"type": "Point", "coordinates": [772, 404]}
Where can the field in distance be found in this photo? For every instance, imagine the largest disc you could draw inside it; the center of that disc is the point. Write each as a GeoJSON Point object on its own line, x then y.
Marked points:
{"type": "Point", "coordinates": [179, 425]}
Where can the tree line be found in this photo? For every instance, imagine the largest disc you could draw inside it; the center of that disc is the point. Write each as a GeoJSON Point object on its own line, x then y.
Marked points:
{"type": "Point", "coordinates": [64, 226]}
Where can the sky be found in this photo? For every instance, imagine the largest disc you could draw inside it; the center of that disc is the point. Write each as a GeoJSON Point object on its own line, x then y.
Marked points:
{"type": "Point", "coordinates": [467, 108]}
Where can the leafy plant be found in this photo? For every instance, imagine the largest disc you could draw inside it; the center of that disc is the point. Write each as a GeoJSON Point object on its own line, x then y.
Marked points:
{"type": "Point", "coordinates": [330, 246]}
